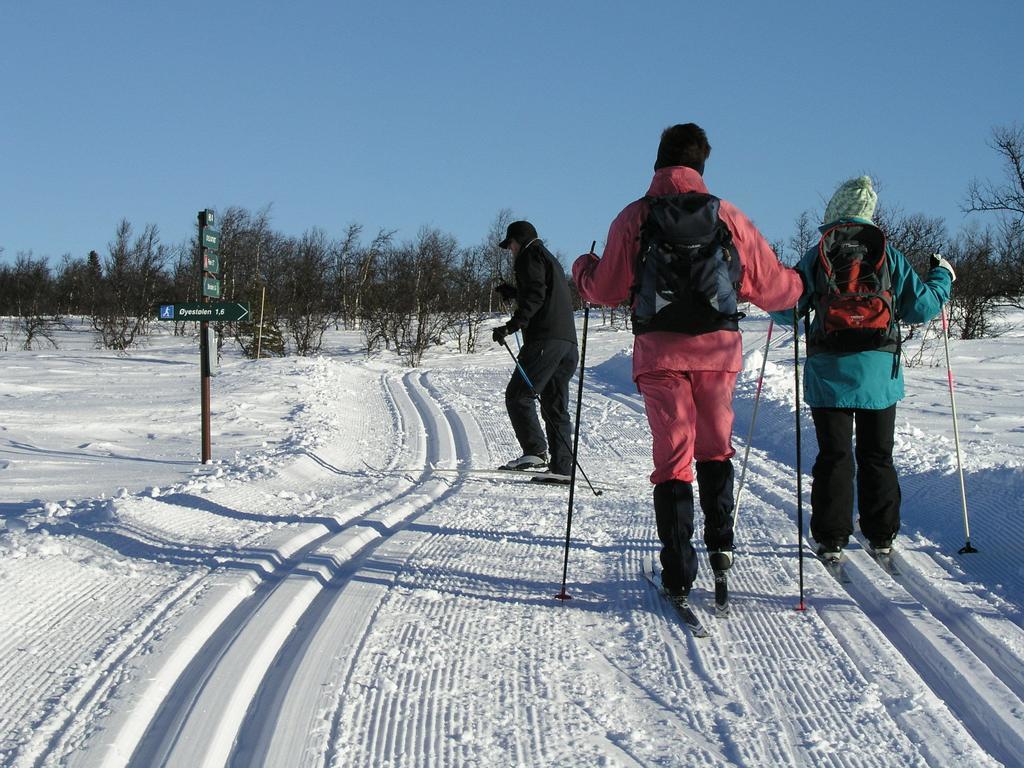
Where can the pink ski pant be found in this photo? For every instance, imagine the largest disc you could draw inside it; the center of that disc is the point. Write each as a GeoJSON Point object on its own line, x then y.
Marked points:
{"type": "Point", "coordinates": [690, 413]}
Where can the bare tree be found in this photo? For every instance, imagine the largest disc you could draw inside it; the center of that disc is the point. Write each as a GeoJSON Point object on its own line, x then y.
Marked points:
{"type": "Point", "coordinates": [408, 304]}
{"type": "Point", "coordinates": [497, 261]}
{"type": "Point", "coordinates": [305, 305]}
{"type": "Point", "coordinates": [470, 294]}
{"type": "Point", "coordinates": [249, 253]}
{"type": "Point", "coordinates": [1006, 197]}
{"type": "Point", "coordinates": [27, 293]}
{"type": "Point", "coordinates": [428, 268]}
{"type": "Point", "coordinates": [915, 236]}
{"type": "Point", "coordinates": [134, 277]}
{"type": "Point", "coordinates": [366, 273]}
{"type": "Point", "coordinates": [1011, 249]}
{"type": "Point", "coordinates": [974, 306]}
{"type": "Point", "coordinates": [74, 285]}
{"type": "Point", "coordinates": [804, 236]}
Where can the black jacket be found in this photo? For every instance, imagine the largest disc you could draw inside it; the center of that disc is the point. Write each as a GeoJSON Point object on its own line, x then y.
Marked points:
{"type": "Point", "coordinates": [544, 308]}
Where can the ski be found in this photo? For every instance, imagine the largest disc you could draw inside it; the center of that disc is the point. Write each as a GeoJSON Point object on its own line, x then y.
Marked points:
{"type": "Point", "coordinates": [495, 473]}
{"type": "Point", "coordinates": [836, 567]}
{"type": "Point", "coordinates": [886, 562]}
{"type": "Point", "coordinates": [721, 595]}
{"type": "Point", "coordinates": [680, 604]}
{"type": "Point", "coordinates": [550, 478]}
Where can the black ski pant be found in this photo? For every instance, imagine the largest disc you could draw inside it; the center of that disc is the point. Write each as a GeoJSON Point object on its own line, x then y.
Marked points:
{"type": "Point", "coordinates": [833, 476]}
{"type": "Point", "coordinates": [673, 512]}
{"type": "Point", "coordinates": [714, 482]}
{"type": "Point", "coordinates": [549, 364]}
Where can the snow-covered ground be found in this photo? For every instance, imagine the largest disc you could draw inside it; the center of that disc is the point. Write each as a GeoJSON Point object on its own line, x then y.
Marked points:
{"type": "Point", "coordinates": [329, 591]}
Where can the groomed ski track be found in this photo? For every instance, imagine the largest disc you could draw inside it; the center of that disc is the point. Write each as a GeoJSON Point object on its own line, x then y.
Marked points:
{"type": "Point", "coordinates": [408, 618]}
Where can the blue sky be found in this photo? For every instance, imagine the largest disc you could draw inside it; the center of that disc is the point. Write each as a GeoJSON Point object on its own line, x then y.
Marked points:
{"type": "Point", "coordinates": [403, 114]}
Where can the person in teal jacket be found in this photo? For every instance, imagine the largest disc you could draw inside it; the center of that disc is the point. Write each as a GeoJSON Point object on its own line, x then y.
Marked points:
{"type": "Point", "coordinates": [857, 392]}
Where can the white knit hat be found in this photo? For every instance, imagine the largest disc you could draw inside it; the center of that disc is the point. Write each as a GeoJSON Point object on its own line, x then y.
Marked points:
{"type": "Point", "coordinates": [854, 199]}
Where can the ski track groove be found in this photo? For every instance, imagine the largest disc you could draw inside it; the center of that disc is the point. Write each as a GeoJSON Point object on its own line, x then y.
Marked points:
{"type": "Point", "coordinates": [164, 539]}
{"type": "Point", "coordinates": [91, 675]}
{"type": "Point", "coordinates": [988, 634]}
{"type": "Point", "coordinates": [974, 642]}
{"type": "Point", "coordinates": [105, 679]}
{"type": "Point", "coordinates": [765, 640]}
{"type": "Point", "coordinates": [441, 441]}
{"type": "Point", "coordinates": [109, 751]}
{"type": "Point", "coordinates": [993, 713]}
{"type": "Point", "coordinates": [422, 577]}
{"type": "Point", "coordinates": [861, 638]}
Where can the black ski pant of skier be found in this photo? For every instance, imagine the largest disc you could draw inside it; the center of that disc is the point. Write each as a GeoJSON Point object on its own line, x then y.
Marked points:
{"type": "Point", "coordinates": [549, 364]}
{"type": "Point", "coordinates": [673, 513]}
{"type": "Point", "coordinates": [834, 475]}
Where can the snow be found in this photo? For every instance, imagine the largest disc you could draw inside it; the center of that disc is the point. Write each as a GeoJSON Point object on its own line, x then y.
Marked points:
{"type": "Point", "coordinates": [330, 591]}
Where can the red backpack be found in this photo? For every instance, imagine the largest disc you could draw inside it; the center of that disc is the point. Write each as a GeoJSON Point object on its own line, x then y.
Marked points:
{"type": "Point", "coordinates": [853, 299]}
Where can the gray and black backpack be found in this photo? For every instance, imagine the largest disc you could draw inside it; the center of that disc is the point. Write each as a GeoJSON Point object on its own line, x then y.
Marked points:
{"type": "Point", "coordinates": [688, 271]}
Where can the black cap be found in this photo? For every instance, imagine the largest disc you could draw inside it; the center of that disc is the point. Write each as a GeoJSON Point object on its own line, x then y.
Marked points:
{"type": "Point", "coordinates": [520, 231]}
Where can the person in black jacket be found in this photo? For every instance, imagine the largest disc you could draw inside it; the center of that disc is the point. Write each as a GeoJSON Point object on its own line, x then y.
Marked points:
{"type": "Point", "coordinates": [548, 356]}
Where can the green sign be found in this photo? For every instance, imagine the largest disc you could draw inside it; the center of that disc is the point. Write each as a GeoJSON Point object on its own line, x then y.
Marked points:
{"type": "Point", "coordinates": [193, 310]}
{"type": "Point", "coordinates": [211, 238]}
{"type": "Point", "coordinates": [206, 218]}
{"type": "Point", "coordinates": [211, 287]}
{"type": "Point", "coordinates": [211, 262]}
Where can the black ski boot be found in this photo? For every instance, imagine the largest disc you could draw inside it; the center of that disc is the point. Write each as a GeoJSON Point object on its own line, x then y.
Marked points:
{"type": "Point", "coordinates": [721, 562]}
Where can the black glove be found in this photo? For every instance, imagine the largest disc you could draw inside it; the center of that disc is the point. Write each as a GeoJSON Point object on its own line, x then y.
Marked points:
{"type": "Point", "coordinates": [506, 291]}
{"type": "Point", "coordinates": [938, 261]}
{"type": "Point", "coordinates": [499, 334]}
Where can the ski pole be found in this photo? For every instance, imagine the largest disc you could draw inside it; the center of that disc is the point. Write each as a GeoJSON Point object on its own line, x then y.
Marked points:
{"type": "Point", "coordinates": [536, 397]}
{"type": "Point", "coordinates": [799, 478]}
{"type": "Point", "coordinates": [966, 548]}
{"type": "Point", "coordinates": [575, 445]}
{"type": "Point", "coordinates": [750, 432]}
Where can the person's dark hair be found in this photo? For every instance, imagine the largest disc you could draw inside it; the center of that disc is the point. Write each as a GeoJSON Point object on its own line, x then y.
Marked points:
{"type": "Point", "coordinates": [684, 144]}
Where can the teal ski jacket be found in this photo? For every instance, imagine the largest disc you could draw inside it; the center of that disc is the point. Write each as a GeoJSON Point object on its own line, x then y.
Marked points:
{"type": "Point", "coordinates": [872, 379]}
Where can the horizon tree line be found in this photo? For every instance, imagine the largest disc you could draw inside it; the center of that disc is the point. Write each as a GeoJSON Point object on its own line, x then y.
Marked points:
{"type": "Point", "coordinates": [408, 296]}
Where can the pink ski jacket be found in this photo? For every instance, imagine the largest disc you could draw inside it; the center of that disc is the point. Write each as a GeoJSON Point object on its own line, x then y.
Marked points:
{"type": "Point", "coordinates": [608, 280]}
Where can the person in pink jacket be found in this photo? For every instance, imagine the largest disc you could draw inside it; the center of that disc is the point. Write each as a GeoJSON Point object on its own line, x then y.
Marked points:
{"type": "Point", "coordinates": [687, 378]}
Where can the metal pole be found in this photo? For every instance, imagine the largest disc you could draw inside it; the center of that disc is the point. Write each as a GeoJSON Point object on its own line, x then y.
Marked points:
{"type": "Point", "coordinates": [204, 356]}
{"type": "Point", "coordinates": [750, 432]}
{"type": "Point", "coordinates": [563, 595]}
{"type": "Point", "coordinates": [799, 471]}
{"type": "Point", "coordinates": [259, 329]}
{"type": "Point", "coordinates": [966, 548]}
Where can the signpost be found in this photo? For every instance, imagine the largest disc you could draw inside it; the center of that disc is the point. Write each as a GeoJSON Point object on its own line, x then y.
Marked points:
{"type": "Point", "coordinates": [209, 243]}
{"type": "Point", "coordinates": [206, 311]}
